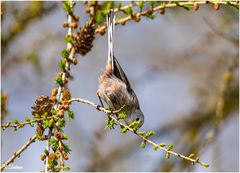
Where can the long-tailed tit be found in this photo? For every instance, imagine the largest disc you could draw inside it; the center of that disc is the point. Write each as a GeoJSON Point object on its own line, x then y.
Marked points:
{"type": "Point", "coordinates": [114, 87]}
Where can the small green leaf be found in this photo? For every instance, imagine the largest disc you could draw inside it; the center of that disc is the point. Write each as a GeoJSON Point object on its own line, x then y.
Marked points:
{"type": "Point", "coordinates": [15, 121]}
{"type": "Point", "coordinates": [143, 144]}
{"type": "Point", "coordinates": [170, 146]}
{"type": "Point", "coordinates": [32, 125]}
{"type": "Point", "coordinates": [124, 130]}
{"type": "Point", "coordinates": [99, 17]}
{"type": "Point", "coordinates": [162, 145]}
{"type": "Point", "coordinates": [46, 152]}
{"type": "Point", "coordinates": [151, 16]}
{"type": "Point", "coordinates": [66, 149]}
{"type": "Point", "coordinates": [3, 128]}
{"type": "Point", "coordinates": [45, 124]}
{"type": "Point", "coordinates": [69, 38]}
{"type": "Point", "coordinates": [128, 11]}
{"type": "Point", "coordinates": [119, 5]}
{"type": "Point", "coordinates": [187, 7]}
{"type": "Point", "coordinates": [122, 115]}
{"type": "Point", "coordinates": [62, 65]}
{"type": "Point", "coordinates": [61, 122]}
{"type": "Point", "coordinates": [155, 148]}
{"type": "Point", "coordinates": [140, 5]}
{"type": "Point", "coordinates": [191, 155]}
{"type": "Point", "coordinates": [141, 133]}
{"type": "Point", "coordinates": [167, 155]}
{"type": "Point", "coordinates": [110, 5]}
{"type": "Point", "coordinates": [148, 134]}
{"type": "Point", "coordinates": [65, 53]}
{"type": "Point", "coordinates": [197, 159]}
{"type": "Point", "coordinates": [9, 123]}
{"type": "Point", "coordinates": [65, 136]}
{"type": "Point", "coordinates": [59, 81]}
{"type": "Point", "coordinates": [27, 119]}
{"type": "Point", "coordinates": [206, 164]}
{"type": "Point", "coordinates": [66, 168]}
{"type": "Point", "coordinates": [53, 111]}
{"type": "Point", "coordinates": [70, 114]}
{"type": "Point", "coordinates": [50, 123]}
{"type": "Point", "coordinates": [151, 3]}
{"type": "Point", "coordinates": [67, 7]}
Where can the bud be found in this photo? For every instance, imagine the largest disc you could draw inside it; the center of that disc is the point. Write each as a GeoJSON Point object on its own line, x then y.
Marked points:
{"type": "Point", "coordinates": [74, 61]}
{"type": "Point", "coordinates": [65, 157]}
{"type": "Point", "coordinates": [65, 24]}
{"type": "Point", "coordinates": [195, 6]}
{"type": "Point", "coordinates": [74, 25]}
{"type": "Point", "coordinates": [101, 31]}
{"type": "Point", "coordinates": [216, 6]}
{"type": "Point", "coordinates": [42, 157]}
{"type": "Point", "coordinates": [52, 156]}
{"type": "Point", "coordinates": [162, 11]}
{"type": "Point", "coordinates": [137, 18]}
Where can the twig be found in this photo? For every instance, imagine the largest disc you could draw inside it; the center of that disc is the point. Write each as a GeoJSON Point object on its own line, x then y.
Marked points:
{"type": "Point", "coordinates": [167, 5]}
{"type": "Point", "coordinates": [110, 114]}
{"type": "Point", "coordinates": [17, 154]}
{"type": "Point", "coordinates": [27, 122]}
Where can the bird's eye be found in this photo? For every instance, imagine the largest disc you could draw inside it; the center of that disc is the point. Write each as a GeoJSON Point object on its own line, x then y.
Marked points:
{"type": "Point", "coordinates": [137, 119]}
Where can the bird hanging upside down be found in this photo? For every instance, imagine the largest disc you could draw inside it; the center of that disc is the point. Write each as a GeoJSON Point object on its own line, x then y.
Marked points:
{"type": "Point", "coordinates": [114, 87]}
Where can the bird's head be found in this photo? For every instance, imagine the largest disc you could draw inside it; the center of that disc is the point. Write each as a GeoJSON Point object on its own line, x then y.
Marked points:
{"type": "Point", "coordinates": [136, 115]}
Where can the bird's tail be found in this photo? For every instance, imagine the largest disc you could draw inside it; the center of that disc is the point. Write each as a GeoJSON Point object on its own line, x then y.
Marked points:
{"type": "Point", "coordinates": [111, 27]}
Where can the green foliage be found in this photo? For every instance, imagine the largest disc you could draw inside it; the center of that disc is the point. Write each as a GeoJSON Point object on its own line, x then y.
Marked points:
{"type": "Point", "coordinates": [167, 155]}
{"type": "Point", "coordinates": [155, 148]}
{"type": "Point", "coordinates": [67, 7]}
{"type": "Point", "coordinates": [66, 168]}
{"type": "Point", "coordinates": [61, 122]}
{"type": "Point", "coordinates": [191, 155]}
{"type": "Point", "coordinates": [128, 11]}
{"type": "Point", "coordinates": [69, 38]}
{"type": "Point", "coordinates": [99, 17]}
{"type": "Point", "coordinates": [110, 123]}
{"type": "Point", "coordinates": [140, 5]}
{"type": "Point", "coordinates": [206, 164]}
{"type": "Point", "coordinates": [15, 121]}
{"type": "Point", "coordinates": [143, 144]}
{"type": "Point", "coordinates": [162, 145]}
{"type": "Point", "coordinates": [70, 114]}
{"type": "Point", "coordinates": [141, 133]}
{"type": "Point", "coordinates": [51, 122]}
{"type": "Point", "coordinates": [170, 146]}
{"type": "Point", "coordinates": [119, 5]}
{"type": "Point", "coordinates": [122, 115]}
{"type": "Point", "coordinates": [66, 148]}
{"type": "Point", "coordinates": [151, 16]}
{"type": "Point", "coordinates": [27, 119]}
{"type": "Point", "coordinates": [134, 125]}
{"type": "Point", "coordinates": [62, 65]}
{"type": "Point", "coordinates": [65, 53]}
{"type": "Point", "coordinates": [149, 133]}
{"type": "Point", "coordinates": [59, 81]}
{"type": "Point", "coordinates": [124, 130]}
{"type": "Point", "coordinates": [187, 7]}
{"type": "Point", "coordinates": [46, 152]}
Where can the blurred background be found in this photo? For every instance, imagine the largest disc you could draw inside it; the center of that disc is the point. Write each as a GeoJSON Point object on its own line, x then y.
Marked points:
{"type": "Point", "coordinates": [178, 64]}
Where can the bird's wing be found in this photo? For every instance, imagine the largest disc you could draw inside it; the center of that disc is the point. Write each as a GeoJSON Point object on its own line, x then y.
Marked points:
{"type": "Point", "coordinates": [119, 73]}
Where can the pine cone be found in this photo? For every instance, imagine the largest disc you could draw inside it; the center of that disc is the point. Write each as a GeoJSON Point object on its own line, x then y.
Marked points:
{"type": "Point", "coordinates": [83, 40]}
{"type": "Point", "coordinates": [42, 105]}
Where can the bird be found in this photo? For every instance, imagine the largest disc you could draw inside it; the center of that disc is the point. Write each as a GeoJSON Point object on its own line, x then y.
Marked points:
{"type": "Point", "coordinates": [114, 86]}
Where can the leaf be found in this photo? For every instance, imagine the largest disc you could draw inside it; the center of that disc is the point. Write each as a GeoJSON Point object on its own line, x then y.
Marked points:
{"type": "Point", "coordinates": [62, 65]}
{"type": "Point", "coordinates": [50, 123]}
{"type": "Point", "coordinates": [70, 114]}
{"type": "Point", "coordinates": [128, 11]}
{"type": "Point", "coordinates": [27, 119]}
{"type": "Point", "coordinates": [69, 38]}
{"type": "Point", "coordinates": [15, 121]}
{"type": "Point", "coordinates": [122, 115]}
{"type": "Point", "coordinates": [65, 53]}
{"type": "Point", "coordinates": [67, 7]}
{"type": "Point", "coordinates": [67, 168]}
{"type": "Point", "coordinates": [59, 81]}
{"type": "Point", "coordinates": [124, 130]}
{"type": "Point", "coordinates": [191, 155]}
{"type": "Point", "coordinates": [162, 145]}
{"type": "Point", "coordinates": [46, 152]}
{"type": "Point", "coordinates": [151, 16]}
{"type": "Point", "coordinates": [141, 133]}
{"type": "Point", "coordinates": [140, 5]}
{"type": "Point", "coordinates": [148, 134]}
{"type": "Point", "coordinates": [170, 146]}
{"type": "Point", "coordinates": [66, 148]}
{"type": "Point", "coordinates": [167, 155]}
{"type": "Point", "coordinates": [119, 5]}
{"type": "Point", "coordinates": [143, 144]}
{"type": "Point", "coordinates": [206, 164]}
{"type": "Point", "coordinates": [155, 148]}
{"type": "Point", "coordinates": [99, 17]}
{"type": "Point", "coordinates": [187, 7]}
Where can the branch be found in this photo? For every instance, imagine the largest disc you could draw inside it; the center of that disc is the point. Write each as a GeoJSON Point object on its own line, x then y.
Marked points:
{"type": "Point", "coordinates": [17, 154]}
{"type": "Point", "coordinates": [163, 6]}
{"type": "Point", "coordinates": [110, 115]}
